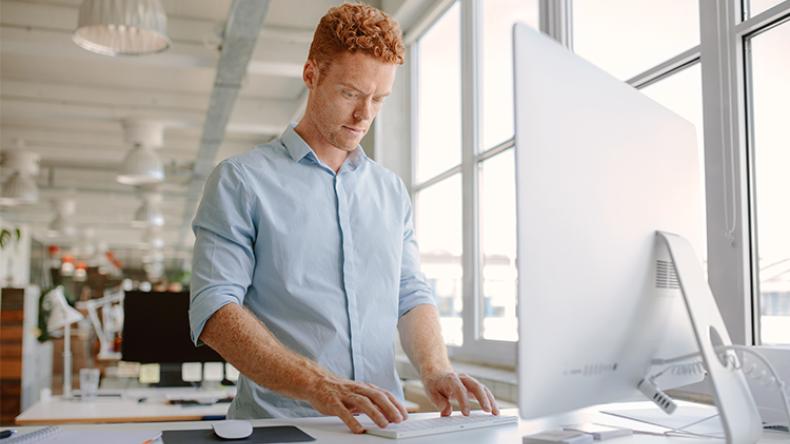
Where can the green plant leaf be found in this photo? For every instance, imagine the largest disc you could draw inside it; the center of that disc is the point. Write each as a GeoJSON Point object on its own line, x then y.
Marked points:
{"type": "Point", "coordinates": [4, 235]}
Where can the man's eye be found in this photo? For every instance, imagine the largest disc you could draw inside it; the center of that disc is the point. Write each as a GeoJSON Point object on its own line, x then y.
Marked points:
{"type": "Point", "coordinates": [348, 94]}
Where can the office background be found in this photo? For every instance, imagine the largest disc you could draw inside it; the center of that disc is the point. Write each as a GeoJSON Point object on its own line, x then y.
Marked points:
{"type": "Point", "coordinates": [447, 130]}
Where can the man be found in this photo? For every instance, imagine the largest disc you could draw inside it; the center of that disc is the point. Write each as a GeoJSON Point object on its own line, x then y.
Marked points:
{"type": "Point", "coordinates": [305, 260]}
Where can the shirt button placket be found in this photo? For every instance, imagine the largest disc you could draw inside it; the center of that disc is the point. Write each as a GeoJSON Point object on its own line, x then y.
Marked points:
{"type": "Point", "coordinates": [347, 242]}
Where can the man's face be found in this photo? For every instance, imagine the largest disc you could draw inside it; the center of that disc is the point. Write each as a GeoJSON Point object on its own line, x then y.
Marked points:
{"type": "Point", "coordinates": [346, 97]}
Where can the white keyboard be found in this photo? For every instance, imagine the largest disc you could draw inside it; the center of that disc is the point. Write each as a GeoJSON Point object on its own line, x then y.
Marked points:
{"type": "Point", "coordinates": [434, 426]}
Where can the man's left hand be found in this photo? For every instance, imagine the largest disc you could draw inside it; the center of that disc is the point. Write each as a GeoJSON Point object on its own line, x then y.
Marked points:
{"type": "Point", "coordinates": [443, 387]}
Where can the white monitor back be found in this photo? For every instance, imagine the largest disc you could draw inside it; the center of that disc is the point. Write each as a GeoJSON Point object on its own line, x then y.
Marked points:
{"type": "Point", "coordinates": [599, 168]}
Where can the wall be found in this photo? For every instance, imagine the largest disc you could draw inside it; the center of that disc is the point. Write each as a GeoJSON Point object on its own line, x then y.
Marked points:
{"type": "Point", "coordinates": [393, 132]}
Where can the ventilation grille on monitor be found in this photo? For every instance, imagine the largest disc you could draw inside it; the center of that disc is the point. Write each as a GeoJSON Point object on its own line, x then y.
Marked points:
{"type": "Point", "coordinates": [592, 369]}
{"type": "Point", "coordinates": [665, 275]}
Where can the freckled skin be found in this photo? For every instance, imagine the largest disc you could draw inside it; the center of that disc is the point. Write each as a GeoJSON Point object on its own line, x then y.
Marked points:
{"type": "Point", "coordinates": [346, 97]}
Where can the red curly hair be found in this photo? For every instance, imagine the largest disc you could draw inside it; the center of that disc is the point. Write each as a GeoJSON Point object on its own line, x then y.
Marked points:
{"type": "Point", "coordinates": [356, 27]}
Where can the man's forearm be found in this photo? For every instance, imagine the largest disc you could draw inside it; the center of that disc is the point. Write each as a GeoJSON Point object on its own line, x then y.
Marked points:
{"type": "Point", "coordinates": [249, 346]}
{"type": "Point", "coordinates": [421, 338]}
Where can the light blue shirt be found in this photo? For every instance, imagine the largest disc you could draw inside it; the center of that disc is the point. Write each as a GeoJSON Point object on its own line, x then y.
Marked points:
{"type": "Point", "coordinates": [328, 262]}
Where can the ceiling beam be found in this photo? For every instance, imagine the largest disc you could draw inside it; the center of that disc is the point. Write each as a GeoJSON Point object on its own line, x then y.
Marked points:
{"type": "Point", "coordinates": [180, 55]}
{"type": "Point", "coordinates": [251, 117]}
{"type": "Point", "coordinates": [63, 17]}
{"type": "Point", "coordinates": [244, 23]}
{"type": "Point", "coordinates": [108, 137]}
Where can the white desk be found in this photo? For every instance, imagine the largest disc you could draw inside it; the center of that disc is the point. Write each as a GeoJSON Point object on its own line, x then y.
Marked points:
{"type": "Point", "coordinates": [127, 408]}
{"type": "Point", "coordinates": [329, 430]}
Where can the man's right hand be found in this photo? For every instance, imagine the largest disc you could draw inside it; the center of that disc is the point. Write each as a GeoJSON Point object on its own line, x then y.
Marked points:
{"type": "Point", "coordinates": [343, 398]}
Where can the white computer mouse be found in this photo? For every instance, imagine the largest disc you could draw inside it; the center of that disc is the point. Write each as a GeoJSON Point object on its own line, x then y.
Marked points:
{"type": "Point", "coordinates": [232, 429]}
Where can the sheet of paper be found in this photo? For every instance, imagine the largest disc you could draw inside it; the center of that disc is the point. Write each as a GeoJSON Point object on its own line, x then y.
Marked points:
{"type": "Point", "coordinates": [57, 435]}
{"type": "Point", "coordinates": [695, 419]}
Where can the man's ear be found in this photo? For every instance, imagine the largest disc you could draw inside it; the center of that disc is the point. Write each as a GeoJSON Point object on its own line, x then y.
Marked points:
{"type": "Point", "coordinates": [310, 74]}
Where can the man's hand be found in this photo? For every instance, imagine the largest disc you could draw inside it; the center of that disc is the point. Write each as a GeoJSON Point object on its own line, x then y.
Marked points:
{"type": "Point", "coordinates": [442, 387]}
{"type": "Point", "coordinates": [342, 398]}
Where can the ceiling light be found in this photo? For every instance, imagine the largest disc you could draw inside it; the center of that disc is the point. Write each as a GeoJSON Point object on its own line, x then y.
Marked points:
{"type": "Point", "coordinates": [122, 27]}
{"type": "Point", "coordinates": [149, 214]}
{"type": "Point", "coordinates": [63, 224]}
{"type": "Point", "coordinates": [153, 239]}
{"type": "Point", "coordinates": [20, 188]}
{"type": "Point", "coordinates": [141, 164]}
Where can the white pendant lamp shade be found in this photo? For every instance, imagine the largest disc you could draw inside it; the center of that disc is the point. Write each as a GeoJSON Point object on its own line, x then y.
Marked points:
{"type": "Point", "coordinates": [20, 188]}
{"type": "Point", "coordinates": [61, 313]}
{"type": "Point", "coordinates": [141, 166]}
{"type": "Point", "coordinates": [122, 27]}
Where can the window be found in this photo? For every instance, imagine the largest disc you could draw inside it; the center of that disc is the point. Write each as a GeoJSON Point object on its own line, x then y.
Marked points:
{"type": "Point", "coordinates": [439, 97]}
{"type": "Point", "coordinates": [463, 178]}
{"type": "Point", "coordinates": [495, 182]}
{"type": "Point", "coordinates": [498, 247]}
{"type": "Point", "coordinates": [626, 37]}
{"type": "Point", "coordinates": [463, 167]}
{"type": "Point", "coordinates": [438, 205]}
{"type": "Point", "coordinates": [770, 93]}
{"type": "Point", "coordinates": [496, 85]}
{"type": "Point", "coordinates": [438, 226]}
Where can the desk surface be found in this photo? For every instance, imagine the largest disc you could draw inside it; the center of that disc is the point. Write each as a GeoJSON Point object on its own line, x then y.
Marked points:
{"type": "Point", "coordinates": [128, 408]}
{"type": "Point", "coordinates": [329, 430]}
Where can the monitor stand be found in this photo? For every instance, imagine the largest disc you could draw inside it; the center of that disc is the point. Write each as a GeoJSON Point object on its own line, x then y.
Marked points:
{"type": "Point", "coordinates": [737, 409]}
{"type": "Point", "coordinates": [170, 376]}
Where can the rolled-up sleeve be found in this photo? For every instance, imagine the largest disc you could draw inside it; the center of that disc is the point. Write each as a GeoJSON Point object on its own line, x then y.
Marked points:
{"type": "Point", "coordinates": [223, 259]}
{"type": "Point", "coordinates": [414, 287]}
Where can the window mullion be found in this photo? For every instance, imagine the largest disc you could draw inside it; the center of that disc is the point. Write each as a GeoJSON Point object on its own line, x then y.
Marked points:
{"type": "Point", "coordinates": [665, 69]}
{"type": "Point", "coordinates": [414, 120]}
{"type": "Point", "coordinates": [470, 16]}
{"type": "Point", "coordinates": [556, 20]}
{"type": "Point", "coordinates": [730, 278]}
{"type": "Point", "coordinates": [764, 19]}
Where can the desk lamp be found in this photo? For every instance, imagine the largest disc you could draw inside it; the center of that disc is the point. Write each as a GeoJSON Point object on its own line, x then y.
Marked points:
{"type": "Point", "coordinates": [61, 316]}
{"type": "Point", "coordinates": [112, 315]}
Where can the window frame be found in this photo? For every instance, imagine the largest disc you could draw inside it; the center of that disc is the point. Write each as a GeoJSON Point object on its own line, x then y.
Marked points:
{"type": "Point", "coordinates": [722, 55]}
{"type": "Point", "coordinates": [748, 28]}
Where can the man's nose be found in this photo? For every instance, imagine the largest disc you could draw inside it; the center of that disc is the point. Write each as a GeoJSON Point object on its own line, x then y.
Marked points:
{"type": "Point", "coordinates": [364, 111]}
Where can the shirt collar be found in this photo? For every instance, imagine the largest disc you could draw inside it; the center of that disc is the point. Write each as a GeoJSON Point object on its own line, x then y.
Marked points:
{"type": "Point", "coordinates": [295, 145]}
{"type": "Point", "coordinates": [298, 149]}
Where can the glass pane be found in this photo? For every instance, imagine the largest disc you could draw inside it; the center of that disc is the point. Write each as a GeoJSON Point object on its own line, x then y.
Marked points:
{"type": "Point", "coordinates": [758, 6]}
{"type": "Point", "coordinates": [438, 224]}
{"type": "Point", "coordinates": [498, 247]}
{"type": "Point", "coordinates": [496, 85]}
{"type": "Point", "coordinates": [439, 97]}
{"type": "Point", "coordinates": [627, 37]}
{"type": "Point", "coordinates": [682, 93]}
{"type": "Point", "coordinates": [771, 101]}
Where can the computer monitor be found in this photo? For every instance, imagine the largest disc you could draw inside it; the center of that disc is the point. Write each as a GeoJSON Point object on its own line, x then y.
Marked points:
{"type": "Point", "coordinates": [599, 169]}
{"type": "Point", "coordinates": [609, 213]}
{"type": "Point", "coordinates": [156, 330]}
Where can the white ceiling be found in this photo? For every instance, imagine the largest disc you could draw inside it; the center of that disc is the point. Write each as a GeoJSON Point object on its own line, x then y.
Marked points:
{"type": "Point", "coordinates": [67, 104]}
